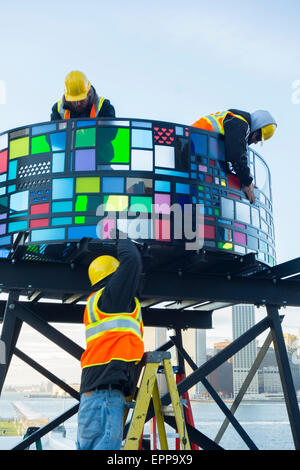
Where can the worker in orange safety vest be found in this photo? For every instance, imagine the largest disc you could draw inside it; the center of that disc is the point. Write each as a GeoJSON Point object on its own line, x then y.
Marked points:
{"type": "Point", "coordinates": [114, 348]}
{"type": "Point", "coordinates": [240, 129]}
{"type": "Point", "coordinates": [80, 100]}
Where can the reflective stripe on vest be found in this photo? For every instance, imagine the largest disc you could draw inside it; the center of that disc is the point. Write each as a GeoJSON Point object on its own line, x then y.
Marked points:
{"type": "Point", "coordinates": [65, 113]}
{"type": "Point", "coordinates": [216, 120]}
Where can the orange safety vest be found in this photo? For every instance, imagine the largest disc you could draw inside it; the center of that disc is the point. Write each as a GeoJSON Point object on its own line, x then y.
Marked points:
{"type": "Point", "coordinates": [111, 336]}
{"type": "Point", "coordinates": [65, 113]}
{"type": "Point", "coordinates": [215, 122]}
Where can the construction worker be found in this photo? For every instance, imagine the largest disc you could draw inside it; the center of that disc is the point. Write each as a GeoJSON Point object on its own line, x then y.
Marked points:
{"type": "Point", "coordinates": [240, 129]}
{"type": "Point", "coordinates": [114, 335]}
{"type": "Point", "coordinates": [80, 100]}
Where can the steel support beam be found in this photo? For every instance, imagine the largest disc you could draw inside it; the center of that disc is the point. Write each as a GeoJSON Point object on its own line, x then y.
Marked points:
{"type": "Point", "coordinates": [285, 373]}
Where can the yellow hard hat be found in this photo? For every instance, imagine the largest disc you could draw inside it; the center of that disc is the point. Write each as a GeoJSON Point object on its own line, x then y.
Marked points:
{"type": "Point", "coordinates": [102, 267]}
{"type": "Point", "coordinates": [77, 86]}
{"type": "Point", "coordinates": [268, 131]}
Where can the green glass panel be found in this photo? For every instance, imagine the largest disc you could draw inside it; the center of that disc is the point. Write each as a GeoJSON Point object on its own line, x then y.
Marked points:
{"type": "Point", "coordinates": [141, 204]}
{"type": "Point", "coordinates": [86, 137]}
{"type": "Point", "coordinates": [217, 211]}
{"type": "Point", "coordinates": [201, 188]}
{"type": "Point", "coordinates": [18, 148]}
{"type": "Point", "coordinates": [87, 185]}
{"type": "Point", "coordinates": [112, 145]}
{"type": "Point", "coordinates": [79, 220]}
{"type": "Point", "coordinates": [225, 246]}
{"type": "Point", "coordinates": [39, 144]}
{"type": "Point", "coordinates": [81, 203]}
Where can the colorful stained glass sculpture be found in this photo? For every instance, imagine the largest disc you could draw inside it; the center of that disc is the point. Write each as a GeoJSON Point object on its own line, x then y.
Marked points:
{"type": "Point", "coordinates": [112, 145]}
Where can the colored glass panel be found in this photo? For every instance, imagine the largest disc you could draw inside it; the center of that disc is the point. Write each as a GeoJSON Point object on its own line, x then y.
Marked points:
{"type": "Point", "coordinates": [140, 204]}
{"type": "Point", "coordinates": [35, 223]}
{"type": "Point", "coordinates": [2, 229]}
{"type": "Point", "coordinates": [17, 226]}
{"type": "Point", "coordinates": [87, 203]}
{"type": "Point", "coordinates": [61, 221]}
{"type": "Point", "coordinates": [141, 124]}
{"type": "Point", "coordinates": [163, 230]}
{"type": "Point", "coordinates": [242, 212]}
{"type": "Point", "coordinates": [79, 219]}
{"type": "Point", "coordinates": [216, 148]}
{"type": "Point", "coordinates": [209, 231]}
{"type": "Point", "coordinates": [198, 144]}
{"type": "Point", "coordinates": [203, 168]}
{"type": "Point", "coordinates": [88, 185]}
{"type": "Point", "coordinates": [87, 123]}
{"type": "Point", "coordinates": [107, 226]}
{"type": "Point", "coordinates": [80, 232]}
{"type": "Point", "coordinates": [139, 185]}
{"type": "Point", "coordinates": [36, 130]}
{"type": "Point", "coordinates": [227, 208]}
{"type": "Point", "coordinates": [234, 182]}
{"type": "Point", "coordinates": [58, 141]}
{"type": "Point", "coordinates": [85, 160]}
{"type": "Point", "coordinates": [19, 201]}
{"type": "Point", "coordinates": [141, 138]}
{"type": "Point", "coordinates": [39, 144]}
{"type": "Point", "coordinates": [182, 188]}
{"type": "Point", "coordinates": [39, 208]}
{"type": "Point", "coordinates": [112, 185]}
{"type": "Point", "coordinates": [58, 162]}
{"type": "Point", "coordinates": [115, 203]}
{"type": "Point", "coordinates": [172, 173]}
{"type": "Point", "coordinates": [12, 170]}
{"type": "Point", "coordinates": [85, 137]}
{"type": "Point", "coordinates": [49, 234]}
{"type": "Point", "coordinates": [18, 148]}
{"type": "Point", "coordinates": [225, 246]}
{"type": "Point", "coordinates": [142, 160]}
{"type": "Point", "coordinates": [62, 188]}
{"type": "Point", "coordinates": [240, 238]}
{"type": "Point", "coordinates": [224, 234]}
{"type": "Point", "coordinates": [62, 206]}
{"type": "Point", "coordinates": [3, 141]}
{"type": "Point", "coordinates": [3, 161]}
{"type": "Point", "coordinates": [162, 203]}
{"type": "Point", "coordinates": [112, 145]}
{"type": "Point", "coordinates": [162, 186]}
{"type": "Point", "coordinates": [255, 217]}
{"type": "Point", "coordinates": [163, 135]}
{"type": "Point", "coordinates": [164, 156]}
{"type": "Point", "coordinates": [182, 154]}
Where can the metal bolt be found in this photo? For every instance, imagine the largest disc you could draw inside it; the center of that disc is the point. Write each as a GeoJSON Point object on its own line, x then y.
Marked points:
{"type": "Point", "coordinates": [11, 306]}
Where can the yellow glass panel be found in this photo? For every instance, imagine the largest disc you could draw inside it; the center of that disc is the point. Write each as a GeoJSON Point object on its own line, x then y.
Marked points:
{"type": "Point", "coordinates": [87, 185]}
{"type": "Point", "coordinates": [116, 203]}
{"type": "Point", "coordinates": [18, 148]}
{"type": "Point", "coordinates": [223, 183]}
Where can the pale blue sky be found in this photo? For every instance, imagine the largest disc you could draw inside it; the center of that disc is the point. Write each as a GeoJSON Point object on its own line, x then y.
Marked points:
{"type": "Point", "coordinates": [170, 60]}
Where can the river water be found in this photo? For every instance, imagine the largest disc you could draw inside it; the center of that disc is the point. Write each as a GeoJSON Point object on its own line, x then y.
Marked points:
{"type": "Point", "coordinates": [266, 423]}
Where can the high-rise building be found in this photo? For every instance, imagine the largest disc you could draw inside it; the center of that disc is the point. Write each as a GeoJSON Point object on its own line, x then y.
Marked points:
{"type": "Point", "coordinates": [243, 318]}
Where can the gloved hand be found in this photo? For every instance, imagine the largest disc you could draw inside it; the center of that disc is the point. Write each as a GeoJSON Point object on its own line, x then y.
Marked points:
{"type": "Point", "coordinates": [249, 191]}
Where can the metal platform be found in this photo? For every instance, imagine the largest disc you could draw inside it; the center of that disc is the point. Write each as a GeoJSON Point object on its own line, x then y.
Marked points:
{"type": "Point", "coordinates": [190, 295]}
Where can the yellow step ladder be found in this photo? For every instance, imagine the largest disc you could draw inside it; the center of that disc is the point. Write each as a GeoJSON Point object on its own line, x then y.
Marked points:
{"type": "Point", "coordinates": [149, 388]}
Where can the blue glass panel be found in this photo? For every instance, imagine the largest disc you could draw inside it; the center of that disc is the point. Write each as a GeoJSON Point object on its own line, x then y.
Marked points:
{"type": "Point", "coordinates": [85, 123]}
{"type": "Point", "coordinates": [19, 201]}
{"type": "Point", "coordinates": [199, 144]}
{"type": "Point", "coordinates": [3, 178]}
{"type": "Point", "coordinates": [36, 130]}
{"type": "Point", "coordinates": [11, 188]}
{"type": "Point", "coordinates": [58, 162]}
{"type": "Point", "coordinates": [179, 130]}
{"type": "Point", "coordinates": [12, 170]}
{"type": "Point", "coordinates": [193, 166]}
{"type": "Point", "coordinates": [182, 188]}
{"type": "Point", "coordinates": [80, 232]}
{"type": "Point", "coordinates": [2, 191]}
{"type": "Point", "coordinates": [17, 226]}
{"type": "Point", "coordinates": [18, 214]}
{"type": "Point", "coordinates": [141, 138]}
{"type": "Point", "coordinates": [163, 186]}
{"type": "Point", "coordinates": [62, 188]}
{"type": "Point", "coordinates": [61, 221]}
{"type": "Point", "coordinates": [112, 185]}
{"type": "Point", "coordinates": [48, 234]}
{"type": "Point", "coordinates": [5, 240]}
{"type": "Point", "coordinates": [216, 148]}
{"type": "Point", "coordinates": [141, 124]}
{"type": "Point", "coordinates": [62, 206]}
{"type": "Point", "coordinates": [172, 173]}
{"type": "Point", "coordinates": [4, 253]}
{"type": "Point", "coordinates": [194, 175]}
{"type": "Point", "coordinates": [58, 141]}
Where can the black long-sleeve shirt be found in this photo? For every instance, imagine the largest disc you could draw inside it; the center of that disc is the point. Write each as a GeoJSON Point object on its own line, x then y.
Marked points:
{"type": "Point", "coordinates": [117, 296]}
{"type": "Point", "coordinates": [236, 138]}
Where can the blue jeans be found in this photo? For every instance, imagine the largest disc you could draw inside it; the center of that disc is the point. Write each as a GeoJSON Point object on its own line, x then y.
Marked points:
{"type": "Point", "coordinates": [100, 420]}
